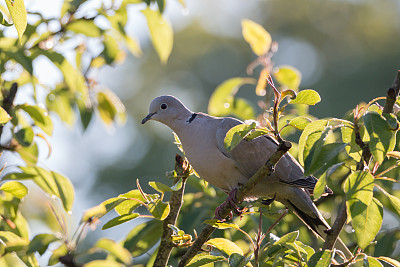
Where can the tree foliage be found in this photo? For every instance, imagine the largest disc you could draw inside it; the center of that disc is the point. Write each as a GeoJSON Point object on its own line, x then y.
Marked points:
{"type": "Point", "coordinates": [356, 155]}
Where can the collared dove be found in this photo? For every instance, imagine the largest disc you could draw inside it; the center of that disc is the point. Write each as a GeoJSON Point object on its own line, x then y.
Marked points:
{"type": "Point", "coordinates": [202, 137]}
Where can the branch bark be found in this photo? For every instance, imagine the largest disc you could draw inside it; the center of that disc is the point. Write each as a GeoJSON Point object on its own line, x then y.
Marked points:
{"type": "Point", "coordinates": [264, 171]}
{"type": "Point", "coordinates": [392, 94]}
{"type": "Point", "coordinates": [8, 101]}
{"type": "Point", "coordinates": [175, 202]}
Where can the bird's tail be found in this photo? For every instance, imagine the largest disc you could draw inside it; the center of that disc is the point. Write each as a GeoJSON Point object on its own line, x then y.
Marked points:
{"type": "Point", "coordinates": [305, 209]}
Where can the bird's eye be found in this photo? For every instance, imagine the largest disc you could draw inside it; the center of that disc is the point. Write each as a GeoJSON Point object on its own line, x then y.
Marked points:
{"type": "Point", "coordinates": [163, 106]}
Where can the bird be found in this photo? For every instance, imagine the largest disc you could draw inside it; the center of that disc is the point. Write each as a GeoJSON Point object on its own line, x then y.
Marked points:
{"type": "Point", "coordinates": [202, 138]}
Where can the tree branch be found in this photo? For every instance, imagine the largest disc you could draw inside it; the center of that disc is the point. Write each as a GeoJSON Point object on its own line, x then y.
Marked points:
{"type": "Point", "coordinates": [392, 94]}
{"type": "Point", "coordinates": [175, 202]}
{"type": "Point", "coordinates": [333, 233]}
{"type": "Point", "coordinates": [8, 101]}
{"type": "Point", "coordinates": [264, 171]}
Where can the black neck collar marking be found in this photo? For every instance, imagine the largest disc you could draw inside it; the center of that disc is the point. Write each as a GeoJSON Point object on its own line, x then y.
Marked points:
{"type": "Point", "coordinates": [192, 118]}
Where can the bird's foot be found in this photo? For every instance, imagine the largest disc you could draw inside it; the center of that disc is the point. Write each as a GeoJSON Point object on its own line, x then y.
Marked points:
{"type": "Point", "coordinates": [268, 201]}
{"type": "Point", "coordinates": [229, 202]}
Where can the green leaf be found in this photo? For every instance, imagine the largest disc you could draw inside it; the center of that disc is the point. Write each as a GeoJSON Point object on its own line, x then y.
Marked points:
{"type": "Point", "coordinates": [110, 107]}
{"type": "Point", "coordinates": [223, 102]}
{"type": "Point", "coordinates": [221, 225]}
{"type": "Point", "coordinates": [41, 242]}
{"type": "Point", "coordinates": [381, 133]}
{"type": "Point", "coordinates": [259, 39]}
{"type": "Point", "coordinates": [120, 253]}
{"type": "Point", "coordinates": [348, 136]}
{"type": "Point", "coordinates": [161, 32]}
{"type": "Point", "coordinates": [18, 14]}
{"type": "Point", "coordinates": [323, 160]}
{"type": "Point", "coordinates": [320, 259]}
{"type": "Point", "coordinates": [159, 209]}
{"type": "Point", "coordinates": [160, 187]}
{"type": "Point", "coordinates": [359, 192]}
{"type": "Point", "coordinates": [143, 237]}
{"type": "Point", "coordinates": [288, 77]}
{"type": "Point", "coordinates": [320, 187]}
{"type": "Point", "coordinates": [4, 117]}
{"type": "Point", "coordinates": [367, 223]}
{"type": "Point", "coordinates": [29, 154]}
{"type": "Point", "coordinates": [288, 238]}
{"type": "Point", "coordinates": [58, 101]}
{"type": "Point", "coordinates": [225, 245]}
{"type": "Point", "coordinates": [17, 189]}
{"type": "Point", "coordinates": [134, 200]}
{"type": "Point", "coordinates": [177, 186]}
{"type": "Point", "coordinates": [62, 250]}
{"type": "Point", "coordinates": [372, 262]}
{"type": "Point", "coordinates": [39, 116]}
{"type": "Point", "coordinates": [299, 122]}
{"type": "Point", "coordinates": [103, 263]}
{"type": "Point", "coordinates": [307, 97]}
{"type": "Point", "coordinates": [85, 26]}
{"type": "Point", "coordinates": [24, 136]}
{"type": "Point", "coordinates": [393, 200]}
{"type": "Point", "coordinates": [238, 260]}
{"type": "Point", "coordinates": [311, 133]}
{"type": "Point", "coordinates": [3, 21]}
{"type": "Point", "coordinates": [236, 134]}
{"type": "Point", "coordinates": [51, 182]}
{"type": "Point", "coordinates": [204, 259]}
{"type": "Point", "coordinates": [119, 220]}
{"type": "Point", "coordinates": [111, 49]}
{"type": "Point", "coordinates": [391, 261]}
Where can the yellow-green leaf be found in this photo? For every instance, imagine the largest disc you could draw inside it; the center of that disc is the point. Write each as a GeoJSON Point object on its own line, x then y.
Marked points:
{"type": "Point", "coordinates": [116, 250]}
{"type": "Point", "coordinates": [225, 245]}
{"type": "Point", "coordinates": [103, 263]}
{"type": "Point", "coordinates": [307, 97]}
{"type": "Point", "coordinates": [18, 14]}
{"type": "Point", "coordinates": [205, 260]}
{"type": "Point", "coordinates": [15, 188]}
{"type": "Point", "coordinates": [159, 209]}
{"type": "Point", "coordinates": [119, 220]}
{"type": "Point", "coordinates": [4, 117]}
{"type": "Point", "coordinates": [259, 39]}
{"type": "Point", "coordinates": [236, 134]}
{"type": "Point", "coordinates": [162, 35]}
{"type": "Point", "coordinates": [288, 77]}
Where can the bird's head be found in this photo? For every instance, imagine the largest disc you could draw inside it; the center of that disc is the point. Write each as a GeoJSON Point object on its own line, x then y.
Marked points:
{"type": "Point", "coordinates": [166, 109]}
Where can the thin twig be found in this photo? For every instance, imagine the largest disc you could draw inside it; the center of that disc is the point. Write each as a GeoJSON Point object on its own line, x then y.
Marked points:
{"type": "Point", "coordinates": [392, 94]}
{"type": "Point", "coordinates": [164, 251]}
{"type": "Point", "coordinates": [263, 172]}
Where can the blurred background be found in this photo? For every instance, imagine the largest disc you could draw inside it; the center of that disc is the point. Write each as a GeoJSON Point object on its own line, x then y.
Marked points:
{"type": "Point", "coordinates": [347, 50]}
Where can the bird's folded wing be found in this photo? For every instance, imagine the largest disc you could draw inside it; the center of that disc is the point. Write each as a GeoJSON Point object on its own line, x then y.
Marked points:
{"type": "Point", "coordinates": [250, 155]}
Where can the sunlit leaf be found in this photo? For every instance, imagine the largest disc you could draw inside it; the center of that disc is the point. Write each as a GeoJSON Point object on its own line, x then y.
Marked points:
{"type": "Point", "coordinates": [18, 14]}
{"type": "Point", "coordinates": [111, 51]}
{"type": "Point", "coordinates": [161, 32]}
{"type": "Point", "coordinates": [84, 26]}
{"type": "Point", "coordinates": [59, 101]}
{"type": "Point", "coordinates": [223, 101]}
{"type": "Point", "coordinates": [51, 182]}
{"type": "Point", "coordinates": [110, 107]}
{"type": "Point", "coordinates": [311, 133]}
{"type": "Point", "coordinates": [62, 250]}
{"type": "Point", "coordinates": [15, 188]}
{"type": "Point", "coordinates": [41, 242]}
{"type": "Point", "coordinates": [325, 158]}
{"type": "Point", "coordinates": [204, 259]}
{"type": "Point", "coordinates": [288, 77]}
{"type": "Point", "coordinates": [4, 117]}
{"type": "Point", "coordinates": [225, 245]}
{"type": "Point", "coordinates": [159, 209]}
{"type": "Point", "coordinates": [221, 225]}
{"type": "Point", "coordinates": [262, 82]}
{"type": "Point", "coordinates": [119, 220]}
{"type": "Point", "coordinates": [393, 200]}
{"type": "Point", "coordinates": [3, 21]}
{"type": "Point", "coordinates": [39, 116]}
{"type": "Point", "coordinates": [143, 237]}
{"type": "Point", "coordinates": [367, 224]}
{"type": "Point", "coordinates": [299, 122]}
{"type": "Point", "coordinates": [236, 134]}
{"type": "Point", "coordinates": [24, 136]}
{"type": "Point", "coordinates": [308, 97]}
{"type": "Point", "coordinates": [321, 259]}
{"type": "Point", "coordinates": [382, 135]}
{"type": "Point", "coordinates": [393, 154]}
{"type": "Point", "coordinates": [258, 38]}
{"type": "Point", "coordinates": [372, 262]}
{"type": "Point", "coordinates": [358, 187]}
{"type": "Point", "coordinates": [103, 263]}
{"type": "Point", "coordinates": [288, 238]}
{"type": "Point", "coordinates": [391, 261]}
{"type": "Point", "coordinates": [115, 249]}
{"type": "Point", "coordinates": [348, 136]}
{"type": "Point", "coordinates": [134, 200]}
{"type": "Point", "coordinates": [160, 187]}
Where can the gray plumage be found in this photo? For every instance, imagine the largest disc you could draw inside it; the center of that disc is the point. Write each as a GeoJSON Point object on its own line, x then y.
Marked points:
{"type": "Point", "coordinates": [202, 137]}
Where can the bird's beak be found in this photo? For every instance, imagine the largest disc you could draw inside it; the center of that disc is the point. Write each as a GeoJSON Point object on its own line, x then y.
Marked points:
{"type": "Point", "coordinates": [148, 117]}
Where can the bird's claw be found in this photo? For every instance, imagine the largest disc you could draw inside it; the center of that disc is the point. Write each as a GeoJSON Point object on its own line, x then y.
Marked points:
{"type": "Point", "coordinates": [229, 202]}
